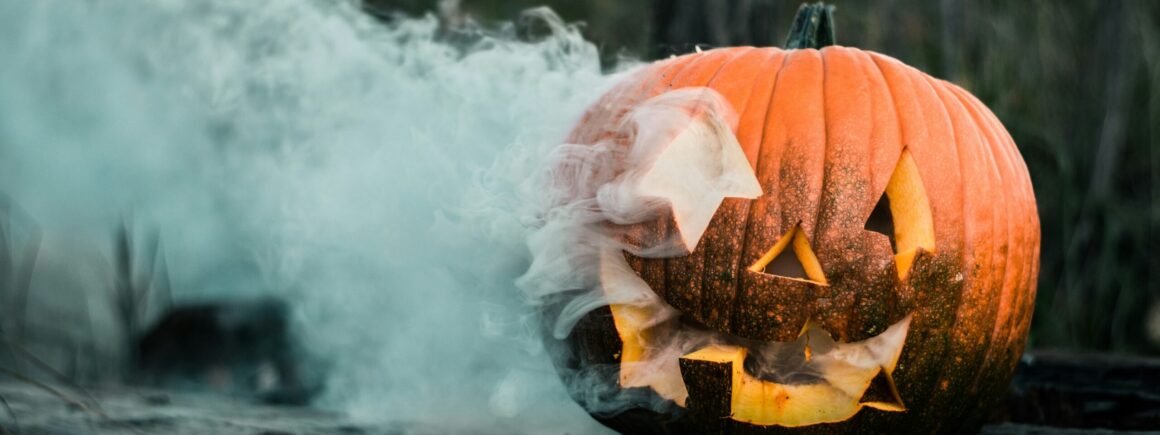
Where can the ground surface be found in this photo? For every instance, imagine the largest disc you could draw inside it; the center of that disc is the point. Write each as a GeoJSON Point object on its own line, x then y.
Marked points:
{"type": "Point", "coordinates": [1053, 393]}
{"type": "Point", "coordinates": [154, 412]}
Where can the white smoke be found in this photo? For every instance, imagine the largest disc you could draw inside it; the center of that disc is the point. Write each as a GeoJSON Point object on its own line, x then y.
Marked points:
{"type": "Point", "coordinates": [649, 187]}
{"type": "Point", "coordinates": [672, 158]}
{"type": "Point", "coordinates": [373, 175]}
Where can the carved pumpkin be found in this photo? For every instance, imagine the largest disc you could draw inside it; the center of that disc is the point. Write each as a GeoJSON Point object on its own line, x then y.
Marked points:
{"type": "Point", "coordinates": [871, 268]}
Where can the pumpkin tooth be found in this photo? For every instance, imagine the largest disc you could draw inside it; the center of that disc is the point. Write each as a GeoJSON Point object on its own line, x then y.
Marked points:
{"type": "Point", "coordinates": [883, 394]}
{"type": "Point", "coordinates": [806, 350]}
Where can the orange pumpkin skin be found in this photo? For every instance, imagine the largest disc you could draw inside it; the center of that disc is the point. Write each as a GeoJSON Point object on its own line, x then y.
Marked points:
{"type": "Point", "coordinates": [824, 131]}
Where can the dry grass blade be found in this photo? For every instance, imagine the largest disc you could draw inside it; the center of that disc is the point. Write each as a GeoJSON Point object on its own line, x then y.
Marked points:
{"type": "Point", "coordinates": [43, 366]}
{"type": "Point", "coordinates": [66, 399]}
{"type": "Point", "coordinates": [140, 271]}
{"type": "Point", "coordinates": [55, 392]}
{"type": "Point", "coordinates": [164, 288]}
{"type": "Point", "coordinates": [123, 297]}
{"type": "Point", "coordinates": [14, 272]}
{"type": "Point", "coordinates": [150, 275]}
{"type": "Point", "coordinates": [11, 413]}
{"type": "Point", "coordinates": [6, 260]}
{"type": "Point", "coordinates": [24, 276]}
{"type": "Point", "coordinates": [141, 280]}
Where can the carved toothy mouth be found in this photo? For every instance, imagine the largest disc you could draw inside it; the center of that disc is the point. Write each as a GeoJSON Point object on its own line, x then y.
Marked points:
{"type": "Point", "coordinates": [829, 383]}
{"type": "Point", "coordinates": [810, 380]}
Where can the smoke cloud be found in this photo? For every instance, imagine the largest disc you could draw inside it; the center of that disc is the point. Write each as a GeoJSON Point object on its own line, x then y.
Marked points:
{"type": "Point", "coordinates": [381, 179]}
{"type": "Point", "coordinates": [650, 188]}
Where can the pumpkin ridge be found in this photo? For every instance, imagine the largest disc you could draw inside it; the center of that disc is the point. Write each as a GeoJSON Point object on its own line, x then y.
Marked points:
{"type": "Point", "coordinates": [962, 252]}
{"type": "Point", "coordinates": [825, 161]}
{"type": "Point", "coordinates": [795, 142]}
{"type": "Point", "coordinates": [893, 105]}
{"type": "Point", "coordinates": [880, 133]}
{"type": "Point", "coordinates": [848, 189]}
{"type": "Point", "coordinates": [924, 83]}
{"type": "Point", "coordinates": [1018, 168]}
{"type": "Point", "coordinates": [1031, 216]}
{"type": "Point", "coordinates": [708, 242]}
{"type": "Point", "coordinates": [850, 312]}
{"type": "Point", "coordinates": [1007, 299]}
{"type": "Point", "coordinates": [866, 63]}
{"type": "Point", "coordinates": [874, 60]}
{"type": "Point", "coordinates": [740, 52]}
{"type": "Point", "coordinates": [990, 359]}
{"type": "Point", "coordinates": [937, 130]}
{"type": "Point", "coordinates": [870, 197]}
{"type": "Point", "coordinates": [996, 255]}
{"type": "Point", "coordinates": [656, 269]}
{"type": "Point", "coordinates": [935, 115]}
{"type": "Point", "coordinates": [922, 362]}
{"type": "Point", "coordinates": [1016, 238]}
{"type": "Point", "coordinates": [748, 223]}
{"type": "Point", "coordinates": [973, 356]}
{"type": "Point", "coordinates": [773, 52]}
{"type": "Point", "coordinates": [1014, 332]}
{"type": "Point", "coordinates": [717, 241]}
{"type": "Point", "coordinates": [656, 272]}
{"type": "Point", "coordinates": [802, 153]}
{"type": "Point", "coordinates": [683, 280]}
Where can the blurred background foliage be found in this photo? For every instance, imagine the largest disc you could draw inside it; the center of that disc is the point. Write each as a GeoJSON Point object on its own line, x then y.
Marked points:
{"type": "Point", "coordinates": [1075, 83]}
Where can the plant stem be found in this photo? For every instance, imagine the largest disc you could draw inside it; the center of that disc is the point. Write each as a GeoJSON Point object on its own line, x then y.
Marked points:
{"type": "Point", "coordinates": [813, 27]}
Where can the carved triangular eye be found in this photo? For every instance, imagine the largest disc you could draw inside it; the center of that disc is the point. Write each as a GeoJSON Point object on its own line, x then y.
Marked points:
{"type": "Point", "coordinates": [903, 214]}
{"type": "Point", "coordinates": [882, 221]}
{"type": "Point", "coordinates": [798, 263]}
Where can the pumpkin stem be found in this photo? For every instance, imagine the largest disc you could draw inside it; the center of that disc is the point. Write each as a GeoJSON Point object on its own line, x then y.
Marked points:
{"type": "Point", "coordinates": [813, 27]}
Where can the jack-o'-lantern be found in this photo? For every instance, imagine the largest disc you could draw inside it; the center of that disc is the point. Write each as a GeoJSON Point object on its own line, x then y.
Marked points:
{"type": "Point", "coordinates": [859, 254]}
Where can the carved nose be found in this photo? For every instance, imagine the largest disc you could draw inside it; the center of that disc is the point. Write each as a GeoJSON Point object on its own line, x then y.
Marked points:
{"type": "Point", "coordinates": [798, 263]}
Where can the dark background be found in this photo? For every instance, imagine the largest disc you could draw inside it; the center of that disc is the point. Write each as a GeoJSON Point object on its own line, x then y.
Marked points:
{"type": "Point", "coordinates": [1075, 83]}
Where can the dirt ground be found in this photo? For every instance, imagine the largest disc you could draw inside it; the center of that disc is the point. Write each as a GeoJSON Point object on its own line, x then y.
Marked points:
{"type": "Point", "coordinates": [1053, 393]}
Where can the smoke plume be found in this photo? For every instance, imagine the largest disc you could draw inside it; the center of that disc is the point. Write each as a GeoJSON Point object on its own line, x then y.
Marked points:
{"type": "Point", "coordinates": [381, 178]}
